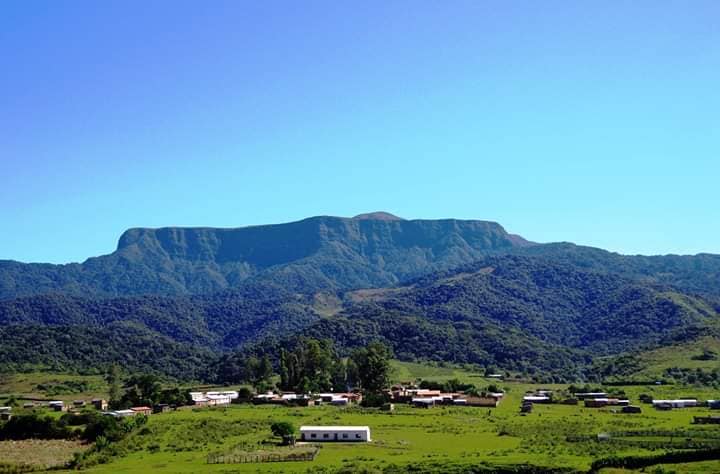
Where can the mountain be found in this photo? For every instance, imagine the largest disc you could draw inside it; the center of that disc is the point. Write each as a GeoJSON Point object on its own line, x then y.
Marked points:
{"type": "Point", "coordinates": [526, 314]}
{"type": "Point", "coordinates": [445, 290]}
{"type": "Point", "coordinates": [331, 253]}
{"type": "Point", "coordinates": [692, 273]}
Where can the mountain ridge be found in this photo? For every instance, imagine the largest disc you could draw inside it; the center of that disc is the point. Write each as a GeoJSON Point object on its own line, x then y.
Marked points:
{"type": "Point", "coordinates": [317, 252]}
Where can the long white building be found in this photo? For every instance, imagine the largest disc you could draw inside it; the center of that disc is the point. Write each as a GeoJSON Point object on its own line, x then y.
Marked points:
{"type": "Point", "coordinates": [335, 433]}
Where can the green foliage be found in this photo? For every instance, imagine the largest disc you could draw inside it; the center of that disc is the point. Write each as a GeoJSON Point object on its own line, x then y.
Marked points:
{"type": "Point", "coordinates": [311, 367]}
{"type": "Point", "coordinates": [541, 311]}
{"type": "Point", "coordinates": [326, 253]}
{"type": "Point", "coordinates": [65, 387]}
{"type": "Point", "coordinates": [36, 426]}
{"type": "Point", "coordinates": [373, 366]}
{"type": "Point", "coordinates": [114, 390]}
{"type": "Point", "coordinates": [142, 389]}
{"type": "Point", "coordinates": [284, 430]}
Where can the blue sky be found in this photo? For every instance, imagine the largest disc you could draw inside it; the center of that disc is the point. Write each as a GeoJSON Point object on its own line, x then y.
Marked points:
{"type": "Point", "coordinates": [593, 122]}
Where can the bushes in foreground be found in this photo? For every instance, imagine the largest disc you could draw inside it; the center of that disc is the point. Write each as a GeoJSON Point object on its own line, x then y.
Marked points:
{"type": "Point", "coordinates": [35, 426]}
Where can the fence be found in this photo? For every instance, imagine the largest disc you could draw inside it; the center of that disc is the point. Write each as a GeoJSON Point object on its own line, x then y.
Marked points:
{"type": "Point", "coordinates": [262, 457]}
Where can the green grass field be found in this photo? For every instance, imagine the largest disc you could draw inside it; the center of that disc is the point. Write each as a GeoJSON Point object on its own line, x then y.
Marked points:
{"type": "Point", "coordinates": [43, 385]}
{"type": "Point", "coordinates": [427, 439]}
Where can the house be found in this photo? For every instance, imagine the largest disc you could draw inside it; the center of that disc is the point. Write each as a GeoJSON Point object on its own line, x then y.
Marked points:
{"type": "Point", "coordinates": [352, 397]}
{"type": "Point", "coordinates": [603, 402]}
{"type": "Point", "coordinates": [490, 402]}
{"type": "Point", "coordinates": [141, 410]}
{"type": "Point", "coordinates": [679, 403]}
{"type": "Point", "coordinates": [585, 395]}
{"type": "Point", "coordinates": [706, 420]}
{"type": "Point", "coordinates": [335, 433]}
{"type": "Point", "coordinates": [215, 400]}
{"type": "Point", "coordinates": [57, 405]}
{"type": "Point", "coordinates": [205, 399]}
{"type": "Point", "coordinates": [265, 397]}
{"type": "Point", "coordinates": [78, 403]}
{"type": "Point", "coordinates": [120, 413]}
{"type": "Point", "coordinates": [423, 402]}
{"type": "Point", "coordinates": [232, 394]}
{"type": "Point", "coordinates": [197, 396]}
{"type": "Point", "coordinates": [201, 402]}
{"type": "Point", "coordinates": [5, 409]}
{"type": "Point", "coordinates": [5, 416]}
{"type": "Point", "coordinates": [342, 402]}
{"type": "Point", "coordinates": [536, 399]}
{"type": "Point", "coordinates": [631, 409]}
{"type": "Point", "coordinates": [713, 404]}
{"type": "Point", "coordinates": [494, 376]}
{"type": "Point", "coordinates": [302, 401]}
{"type": "Point", "coordinates": [100, 404]}
{"type": "Point", "coordinates": [161, 408]}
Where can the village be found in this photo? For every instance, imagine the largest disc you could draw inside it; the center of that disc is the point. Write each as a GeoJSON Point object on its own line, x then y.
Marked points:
{"type": "Point", "coordinates": [407, 393]}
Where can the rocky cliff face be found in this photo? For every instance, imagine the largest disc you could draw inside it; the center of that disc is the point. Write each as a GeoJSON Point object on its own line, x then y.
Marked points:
{"type": "Point", "coordinates": [320, 252]}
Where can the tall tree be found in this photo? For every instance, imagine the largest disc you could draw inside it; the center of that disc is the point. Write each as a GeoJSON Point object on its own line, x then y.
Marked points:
{"type": "Point", "coordinates": [373, 366]}
{"type": "Point", "coordinates": [143, 389]}
{"type": "Point", "coordinates": [312, 366]}
{"type": "Point", "coordinates": [114, 385]}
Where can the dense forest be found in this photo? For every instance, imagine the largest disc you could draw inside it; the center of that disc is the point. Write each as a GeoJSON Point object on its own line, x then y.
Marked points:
{"type": "Point", "coordinates": [184, 302]}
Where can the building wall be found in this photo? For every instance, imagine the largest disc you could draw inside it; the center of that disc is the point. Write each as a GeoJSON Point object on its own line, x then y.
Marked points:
{"type": "Point", "coordinates": [342, 436]}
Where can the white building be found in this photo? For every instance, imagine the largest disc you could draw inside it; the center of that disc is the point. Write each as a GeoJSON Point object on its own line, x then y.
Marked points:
{"type": "Point", "coordinates": [680, 403]}
{"type": "Point", "coordinates": [335, 433]}
{"type": "Point", "coordinates": [536, 399]}
{"type": "Point", "coordinates": [197, 396]}
{"type": "Point", "coordinates": [584, 395]}
{"type": "Point", "coordinates": [120, 413]}
{"type": "Point", "coordinates": [214, 400]}
{"type": "Point", "coordinates": [231, 394]}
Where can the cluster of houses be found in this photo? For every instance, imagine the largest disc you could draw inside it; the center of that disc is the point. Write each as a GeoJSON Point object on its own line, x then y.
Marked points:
{"type": "Point", "coordinates": [589, 399]}
{"type": "Point", "coordinates": [134, 411]}
{"type": "Point", "coordinates": [98, 403]}
{"type": "Point", "coordinates": [427, 398]}
{"type": "Point", "coordinates": [211, 399]}
{"type": "Point", "coordinates": [305, 400]}
{"type": "Point", "coordinates": [75, 405]}
{"type": "Point", "coordinates": [602, 399]}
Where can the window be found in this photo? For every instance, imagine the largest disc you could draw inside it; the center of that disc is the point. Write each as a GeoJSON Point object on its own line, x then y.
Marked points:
{"type": "Point", "coordinates": [326, 436]}
{"type": "Point", "coordinates": [345, 436]}
{"type": "Point", "coordinates": [357, 436]}
{"type": "Point", "coordinates": [313, 435]}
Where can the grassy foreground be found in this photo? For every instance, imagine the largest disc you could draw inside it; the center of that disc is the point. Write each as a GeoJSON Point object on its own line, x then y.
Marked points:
{"type": "Point", "coordinates": [450, 439]}
{"type": "Point", "coordinates": [426, 440]}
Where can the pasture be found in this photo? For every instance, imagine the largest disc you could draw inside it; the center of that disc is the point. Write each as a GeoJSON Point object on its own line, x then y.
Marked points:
{"type": "Point", "coordinates": [423, 439]}
{"type": "Point", "coordinates": [440, 439]}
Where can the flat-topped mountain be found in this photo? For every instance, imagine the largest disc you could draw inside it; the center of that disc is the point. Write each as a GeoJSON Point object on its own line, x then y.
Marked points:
{"type": "Point", "coordinates": [448, 289]}
{"type": "Point", "coordinates": [369, 250]}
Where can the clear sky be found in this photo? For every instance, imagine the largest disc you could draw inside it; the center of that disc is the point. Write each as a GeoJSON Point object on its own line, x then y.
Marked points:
{"type": "Point", "coordinates": [595, 122]}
